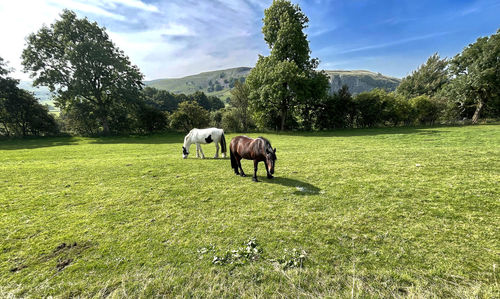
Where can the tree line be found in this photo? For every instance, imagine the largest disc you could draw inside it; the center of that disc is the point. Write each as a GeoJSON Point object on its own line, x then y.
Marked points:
{"type": "Point", "coordinates": [99, 91]}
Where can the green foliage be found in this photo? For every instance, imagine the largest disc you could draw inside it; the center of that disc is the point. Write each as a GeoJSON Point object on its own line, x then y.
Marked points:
{"type": "Point", "coordinates": [239, 100]}
{"type": "Point", "coordinates": [20, 112]}
{"type": "Point", "coordinates": [189, 115]}
{"type": "Point", "coordinates": [161, 99]}
{"type": "Point", "coordinates": [150, 119]}
{"type": "Point", "coordinates": [369, 107]}
{"type": "Point", "coordinates": [76, 59]}
{"type": "Point", "coordinates": [250, 252]}
{"type": "Point", "coordinates": [477, 75]}
{"type": "Point", "coordinates": [292, 259]}
{"type": "Point", "coordinates": [426, 110]}
{"type": "Point", "coordinates": [231, 121]}
{"type": "Point", "coordinates": [335, 111]}
{"type": "Point", "coordinates": [428, 79]}
{"type": "Point", "coordinates": [78, 118]}
{"type": "Point", "coordinates": [283, 81]}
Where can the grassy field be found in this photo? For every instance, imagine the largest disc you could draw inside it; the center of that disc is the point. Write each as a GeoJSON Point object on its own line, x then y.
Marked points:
{"type": "Point", "coordinates": [392, 212]}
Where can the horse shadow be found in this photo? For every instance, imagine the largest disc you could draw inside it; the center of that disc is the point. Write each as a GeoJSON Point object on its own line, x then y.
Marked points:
{"type": "Point", "coordinates": [301, 188]}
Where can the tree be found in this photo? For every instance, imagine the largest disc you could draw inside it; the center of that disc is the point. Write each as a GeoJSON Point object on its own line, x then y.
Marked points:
{"type": "Point", "coordinates": [239, 100]}
{"type": "Point", "coordinates": [477, 70]}
{"type": "Point", "coordinates": [279, 83]}
{"type": "Point", "coordinates": [426, 111]}
{"type": "Point", "coordinates": [335, 111]}
{"type": "Point", "coordinates": [189, 115]}
{"type": "Point", "coordinates": [20, 112]}
{"type": "Point", "coordinates": [429, 78]}
{"type": "Point", "coordinates": [76, 59]}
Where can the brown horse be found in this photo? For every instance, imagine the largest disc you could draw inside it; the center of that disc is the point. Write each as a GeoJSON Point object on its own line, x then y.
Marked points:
{"type": "Point", "coordinates": [260, 149]}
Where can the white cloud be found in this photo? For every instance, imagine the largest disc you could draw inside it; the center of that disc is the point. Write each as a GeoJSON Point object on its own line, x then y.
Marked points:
{"type": "Point", "coordinates": [165, 39]}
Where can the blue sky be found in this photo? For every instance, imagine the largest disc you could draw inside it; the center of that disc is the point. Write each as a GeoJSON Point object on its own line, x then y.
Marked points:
{"type": "Point", "coordinates": [182, 37]}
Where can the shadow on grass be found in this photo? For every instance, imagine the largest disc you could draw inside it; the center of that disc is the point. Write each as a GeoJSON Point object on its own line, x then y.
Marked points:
{"type": "Point", "coordinates": [424, 130]}
{"type": "Point", "coordinates": [301, 188]}
{"type": "Point", "coordinates": [175, 137]}
{"type": "Point", "coordinates": [171, 137]}
{"type": "Point", "coordinates": [36, 142]}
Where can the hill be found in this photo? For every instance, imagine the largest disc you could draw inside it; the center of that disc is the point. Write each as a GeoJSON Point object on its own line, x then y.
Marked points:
{"type": "Point", "coordinates": [219, 83]}
{"type": "Point", "coordinates": [42, 93]}
{"type": "Point", "coordinates": [360, 81]}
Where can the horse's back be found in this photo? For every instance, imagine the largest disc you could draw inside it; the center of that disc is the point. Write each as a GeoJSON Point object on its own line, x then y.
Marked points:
{"type": "Point", "coordinates": [246, 147]}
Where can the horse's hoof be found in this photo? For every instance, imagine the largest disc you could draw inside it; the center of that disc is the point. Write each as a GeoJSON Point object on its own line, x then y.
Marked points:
{"type": "Point", "coordinates": [270, 177]}
{"type": "Point", "coordinates": [243, 175]}
{"type": "Point", "coordinates": [255, 179]}
{"type": "Point", "coordinates": [237, 173]}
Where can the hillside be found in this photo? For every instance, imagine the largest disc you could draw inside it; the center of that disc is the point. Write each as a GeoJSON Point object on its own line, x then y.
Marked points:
{"type": "Point", "coordinates": [360, 81]}
{"type": "Point", "coordinates": [42, 93]}
{"type": "Point", "coordinates": [218, 83]}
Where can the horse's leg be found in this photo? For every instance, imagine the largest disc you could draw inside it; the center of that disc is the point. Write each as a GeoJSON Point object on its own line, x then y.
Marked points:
{"type": "Point", "coordinates": [269, 176]}
{"type": "Point", "coordinates": [255, 164]}
{"type": "Point", "coordinates": [197, 150]}
{"type": "Point", "coordinates": [202, 154]}
{"type": "Point", "coordinates": [241, 169]}
{"type": "Point", "coordinates": [216, 149]}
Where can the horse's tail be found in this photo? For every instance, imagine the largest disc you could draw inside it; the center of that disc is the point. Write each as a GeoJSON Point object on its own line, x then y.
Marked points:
{"type": "Point", "coordinates": [223, 144]}
{"type": "Point", "coordinates": [234, 164]}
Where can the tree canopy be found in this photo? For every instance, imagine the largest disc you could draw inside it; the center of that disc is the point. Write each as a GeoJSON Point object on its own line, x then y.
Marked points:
{"type": "Point", "coordinates": [282, 81]}
{"type": "Point", "coordinates": [428, 79]}
{"type": "Point", "coordinates": [476, 72]}
{"type": "Point", "coordinates": [76, 59]}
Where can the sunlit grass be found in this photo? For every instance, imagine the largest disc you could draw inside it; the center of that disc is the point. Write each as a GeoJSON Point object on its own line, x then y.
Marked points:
{"type": "Point", "coordinates": [378, 212]}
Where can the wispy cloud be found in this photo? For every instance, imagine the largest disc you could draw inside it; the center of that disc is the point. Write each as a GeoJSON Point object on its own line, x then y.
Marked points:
{"type": "Point", "coordinates": [393, 43]}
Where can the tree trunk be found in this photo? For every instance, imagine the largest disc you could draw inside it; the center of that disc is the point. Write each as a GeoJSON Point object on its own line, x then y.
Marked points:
{"type": "Point", "coordinates": [479, 107]}
{"type": "Point", "coordinates": [283, 118]}
{"type": "Point", "coordinates": [105, 125]}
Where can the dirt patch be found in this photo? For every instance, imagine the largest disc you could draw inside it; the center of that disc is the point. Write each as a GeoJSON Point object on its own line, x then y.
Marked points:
{"type": "Point", "coordinates": [62, 264]}
{"type": "Point", "coordinates": [64, 246]}
{"type": "Point", "coordinates": [17, 268]}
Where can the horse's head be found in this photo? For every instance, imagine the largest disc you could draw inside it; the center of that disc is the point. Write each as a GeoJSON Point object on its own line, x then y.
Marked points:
{"type": "Point", "coordinates": [185, 153]}
{"type": "Point", "coordinates": [186, 145]}
{"type": "Point", "coordinates": [270, 158]}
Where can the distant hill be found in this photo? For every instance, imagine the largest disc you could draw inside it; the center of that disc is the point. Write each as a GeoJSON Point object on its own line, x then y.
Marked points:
{"type": "Point", "coordinates": [219, 83]}
{"type": "Point", "coordinates": [360, 81]}
{"type": "Point", "coordinates": [215, 83]}
{"type": "Point", "coordinates": [42, 93]}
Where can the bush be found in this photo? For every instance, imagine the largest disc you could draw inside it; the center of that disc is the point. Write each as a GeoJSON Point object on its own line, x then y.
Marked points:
{"type": "Point", "coordinates": [426, 110]}
{"type": "Point", "coordinates": [189, 115]}
{"type": "Point", "coordinates": [230, 121]}
{"type": "Point", "coordinates": [151, 120]}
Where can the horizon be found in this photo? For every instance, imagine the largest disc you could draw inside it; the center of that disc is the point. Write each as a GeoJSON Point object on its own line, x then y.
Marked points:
{"type": "Point", "coordinates": [179, 39]}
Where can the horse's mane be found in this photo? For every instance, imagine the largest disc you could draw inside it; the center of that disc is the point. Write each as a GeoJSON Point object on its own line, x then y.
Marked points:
{"type": "Point", "coordinates": [267, 143]}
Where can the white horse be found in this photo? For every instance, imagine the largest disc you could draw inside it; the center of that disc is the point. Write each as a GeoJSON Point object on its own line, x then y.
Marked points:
{"type": "Point", "coordinates": [204, 136]}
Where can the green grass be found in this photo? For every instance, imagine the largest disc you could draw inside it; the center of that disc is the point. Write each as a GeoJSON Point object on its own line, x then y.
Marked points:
{"type": "Point", "coordinates": [138, 221]}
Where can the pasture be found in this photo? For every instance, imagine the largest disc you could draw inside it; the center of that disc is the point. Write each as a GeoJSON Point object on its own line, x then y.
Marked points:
{"type": "Point", "coordinates": [390, 212]}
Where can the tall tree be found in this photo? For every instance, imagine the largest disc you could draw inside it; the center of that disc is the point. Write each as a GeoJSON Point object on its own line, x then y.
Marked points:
{"type": "Point", "coordinates": [76, 59]}
{"type": "Point", "coordinates": [427, 79]}
{"type": "Point", "coordinates": [239, 100]}
{"type": "Point", "coordinates": [281, 81]}
{"type": "Point", "coordinates": [477, 69]}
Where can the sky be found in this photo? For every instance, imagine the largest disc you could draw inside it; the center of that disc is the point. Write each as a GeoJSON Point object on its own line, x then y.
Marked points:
{"type": "Point", "coordinates": [175, 38]}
